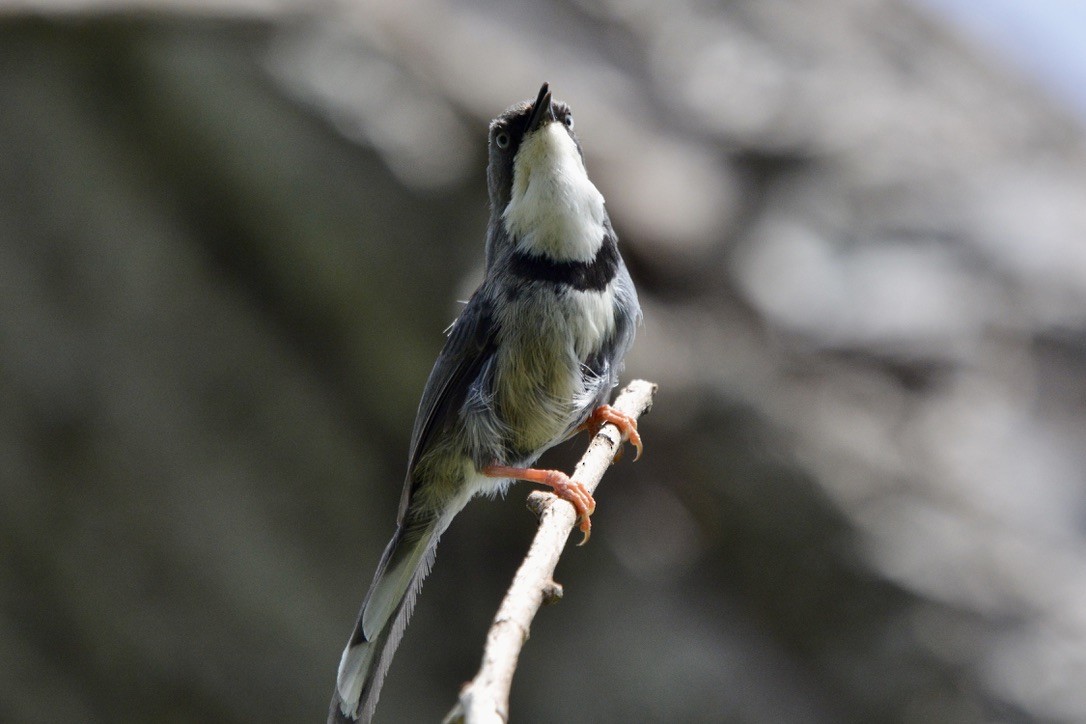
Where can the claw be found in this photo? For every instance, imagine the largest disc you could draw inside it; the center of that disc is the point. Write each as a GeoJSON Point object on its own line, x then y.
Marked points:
{"type": "Point", "coordinates": [605, 414]}
{"type": "Point", "coordinates": [564, 487]}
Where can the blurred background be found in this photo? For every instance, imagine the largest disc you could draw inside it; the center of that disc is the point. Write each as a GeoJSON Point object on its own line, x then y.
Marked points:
{"type": "Point", "coordinates": [232, 232]}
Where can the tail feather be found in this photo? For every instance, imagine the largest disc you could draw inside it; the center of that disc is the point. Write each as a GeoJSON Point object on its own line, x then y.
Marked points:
{"type": "Point", "coordinates": [381, 622]}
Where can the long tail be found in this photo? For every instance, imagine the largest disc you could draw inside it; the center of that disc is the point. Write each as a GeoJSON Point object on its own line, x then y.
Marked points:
{"type": "Point", "coordinates": [381, 622]}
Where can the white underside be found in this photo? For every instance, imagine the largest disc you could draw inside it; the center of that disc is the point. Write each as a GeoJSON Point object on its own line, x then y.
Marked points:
{"type": "Point", "coordinates": [595, 320]}
{"type": "Point", "coordinates": [554, 208]}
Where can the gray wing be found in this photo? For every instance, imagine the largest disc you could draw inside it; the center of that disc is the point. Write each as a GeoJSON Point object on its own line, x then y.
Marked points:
{"type": "Point", "coordinates": [470, 345]}
{"type": "Point", "coordinates": [627, 317]}
{"type": "Point", "coordinates": [608, 362]}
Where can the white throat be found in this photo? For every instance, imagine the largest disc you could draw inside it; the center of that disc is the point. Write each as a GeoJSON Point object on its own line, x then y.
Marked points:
{"type": "Point", "coordinates": [554, 208]}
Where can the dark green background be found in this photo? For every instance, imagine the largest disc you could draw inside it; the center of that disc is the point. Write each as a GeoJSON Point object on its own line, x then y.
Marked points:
{"type": "Point", "coordinates": [221, 292]}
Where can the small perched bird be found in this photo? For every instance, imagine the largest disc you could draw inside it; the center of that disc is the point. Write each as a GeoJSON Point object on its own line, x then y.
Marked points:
{"type": "Point", "coordinates": [530, 361]}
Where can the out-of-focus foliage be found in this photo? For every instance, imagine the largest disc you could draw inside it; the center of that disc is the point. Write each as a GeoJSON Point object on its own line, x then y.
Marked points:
{"type": "Point", "coordinates": [231, 234]}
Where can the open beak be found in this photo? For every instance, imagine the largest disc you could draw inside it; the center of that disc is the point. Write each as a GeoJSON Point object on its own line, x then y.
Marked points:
{"type": "Point", "coordinates": [542, 110]}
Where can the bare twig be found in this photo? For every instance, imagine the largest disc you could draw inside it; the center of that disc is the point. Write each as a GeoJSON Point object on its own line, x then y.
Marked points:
{"type": "Point", "coordinates": [485, 699]}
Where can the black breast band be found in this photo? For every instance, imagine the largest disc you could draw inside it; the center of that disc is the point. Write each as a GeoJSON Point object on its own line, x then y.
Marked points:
{"type": "Point", "coordinates": [581, 275]}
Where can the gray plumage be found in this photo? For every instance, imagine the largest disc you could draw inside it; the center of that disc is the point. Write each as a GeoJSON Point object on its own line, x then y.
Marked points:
{"type": "Point", "coordinates": [537, 348]}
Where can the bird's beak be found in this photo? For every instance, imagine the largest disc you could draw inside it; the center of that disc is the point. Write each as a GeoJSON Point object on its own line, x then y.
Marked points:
{"type": "Point", "coordinates": [542, 110]}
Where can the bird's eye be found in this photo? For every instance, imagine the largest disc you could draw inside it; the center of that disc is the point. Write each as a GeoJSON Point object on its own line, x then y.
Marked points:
{"type": "Point", "coordinates": [568, 120]}
{"type": "Point", "coordinates": [501, 138]}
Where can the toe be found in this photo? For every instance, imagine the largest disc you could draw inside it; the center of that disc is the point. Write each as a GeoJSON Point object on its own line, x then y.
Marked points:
{"type": "Point", "coordinates": [586, 529]}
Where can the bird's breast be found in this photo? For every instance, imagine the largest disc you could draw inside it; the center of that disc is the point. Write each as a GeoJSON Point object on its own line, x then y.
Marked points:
{"type": "Point", "coordinates": [547, 332]}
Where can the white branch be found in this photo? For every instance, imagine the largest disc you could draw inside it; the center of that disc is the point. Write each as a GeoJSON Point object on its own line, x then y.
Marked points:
{"type": "Point", "coordinates": [485, 699]}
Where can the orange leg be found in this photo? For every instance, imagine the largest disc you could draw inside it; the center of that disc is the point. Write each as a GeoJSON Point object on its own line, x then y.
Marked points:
{"type": "Point", "coordinates": [605, 414]}
{"type": "Point", "coordinates": [565, 488]}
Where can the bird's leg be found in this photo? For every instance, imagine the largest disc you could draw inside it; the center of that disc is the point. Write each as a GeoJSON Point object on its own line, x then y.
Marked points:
{"type": "Point", "coordinates": [564, 487]}
{"type": "Point", "coordinates": [605, 414]}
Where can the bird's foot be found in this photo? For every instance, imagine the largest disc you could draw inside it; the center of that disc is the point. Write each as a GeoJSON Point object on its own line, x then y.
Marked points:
{"type": "Point", "coordinates": [564, 487]}
{"type": "Point", "coordinates": [605, 414]}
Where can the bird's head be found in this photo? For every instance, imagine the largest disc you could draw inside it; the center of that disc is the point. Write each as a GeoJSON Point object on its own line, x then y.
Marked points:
{"type": "Point", "coordinates": [538, 184]}
{"type": "Point", "coordinates": [521, 131]}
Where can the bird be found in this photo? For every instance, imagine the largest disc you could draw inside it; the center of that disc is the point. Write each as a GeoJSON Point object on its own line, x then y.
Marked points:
{"type": "Point", "coordinates": [530, 361]}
